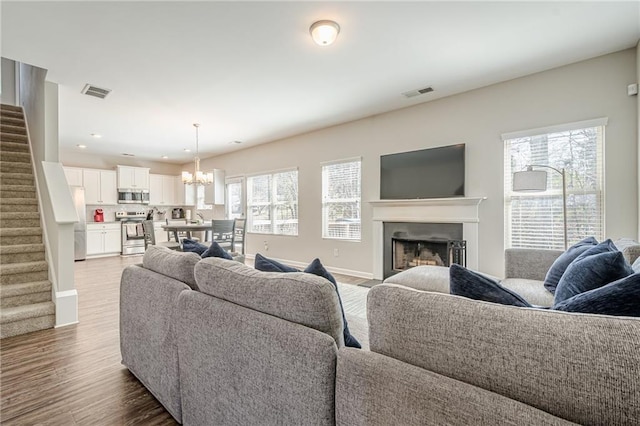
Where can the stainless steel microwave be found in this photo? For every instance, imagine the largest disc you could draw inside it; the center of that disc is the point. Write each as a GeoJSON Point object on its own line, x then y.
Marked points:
{"type": "Point", "coordinates": [133, 196]}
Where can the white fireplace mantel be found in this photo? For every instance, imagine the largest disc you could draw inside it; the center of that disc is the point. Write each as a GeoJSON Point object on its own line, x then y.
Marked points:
{"type": "Point", "coordinates": [463, 210]}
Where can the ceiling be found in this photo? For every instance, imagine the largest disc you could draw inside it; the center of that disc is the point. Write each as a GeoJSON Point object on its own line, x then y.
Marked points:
{"type": "Point", "coordinates": [249, 71]}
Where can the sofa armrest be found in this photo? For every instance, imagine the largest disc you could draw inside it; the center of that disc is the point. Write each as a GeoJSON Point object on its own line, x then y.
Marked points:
{"type": "Point", "coordinates": [531, 264]}
{"type": "Point", "coordinates": [580, 367]}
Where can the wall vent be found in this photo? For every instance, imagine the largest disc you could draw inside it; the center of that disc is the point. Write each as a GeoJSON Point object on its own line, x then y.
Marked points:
{"type": "Point", "coordinates": [417, 92]}
{"type": "Point", "coordinates": [98, 92]}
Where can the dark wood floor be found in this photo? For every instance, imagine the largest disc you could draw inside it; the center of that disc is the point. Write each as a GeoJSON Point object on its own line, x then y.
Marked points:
{"type": "Point", "coordinates": [72, 375]}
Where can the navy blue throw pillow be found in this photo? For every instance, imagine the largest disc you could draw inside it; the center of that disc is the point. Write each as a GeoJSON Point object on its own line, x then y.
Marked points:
{"type": "Point", "coordinates": [215, 250]}
{"type": "Point", "coordinates": [193, 246]}
{"type": "Point", "coordinates": [606, 246]}
{"type": "Point", "coordinates": [562, 262]}
{"type": "Point", "coordinates": [591, 272]}
{"type": "Point", "coordinates": [621, 298]}
{"type": "Point", "coordinates": [473, 285]}
{"type": "Point", "coordinates": [264, 264]}
{"type": "Point", "coordinates": [316, 268]}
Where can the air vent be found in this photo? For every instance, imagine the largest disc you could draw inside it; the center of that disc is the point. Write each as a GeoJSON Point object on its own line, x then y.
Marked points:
{"type": "Point", "coordinates": [418, 92]}
{"type": "Point", "coordinates": [128, 155]}
{"type": "Point", "coordinates": [98, 92]}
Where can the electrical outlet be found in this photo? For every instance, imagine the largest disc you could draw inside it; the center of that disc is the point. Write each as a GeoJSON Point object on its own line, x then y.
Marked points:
{"type": "Point", "coordinates": [336, 253]}
{"type": "Point", "coordinates": [266, 246]}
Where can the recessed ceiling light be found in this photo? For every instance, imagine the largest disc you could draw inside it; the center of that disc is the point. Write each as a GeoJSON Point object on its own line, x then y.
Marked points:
{"type": "Point", "coordinates": [164, 157]}
{"type": "Point", "coordinates": [235, 142]}
{"type": "Point", "coordinates": [81, 146]}
{"type": "Point", "coordinates": [187, 150]}
{"type": "Point", "coordinates": [95, 135]}
{"type": "Point", "coordinates": [128, 155]}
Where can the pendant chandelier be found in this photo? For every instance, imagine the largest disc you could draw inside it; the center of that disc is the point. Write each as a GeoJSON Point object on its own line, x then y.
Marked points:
{"type": "Point", "coordinates": [198, 177]}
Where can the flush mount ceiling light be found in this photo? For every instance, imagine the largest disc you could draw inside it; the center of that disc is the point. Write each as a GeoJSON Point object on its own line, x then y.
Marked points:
{"type": "Point", "coordinates": [324, 32]}
{"type": "Point", "coordinates": [81, 146]}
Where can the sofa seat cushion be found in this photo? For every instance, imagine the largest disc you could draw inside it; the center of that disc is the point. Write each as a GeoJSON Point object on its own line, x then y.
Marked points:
{"type": "Point", "coordinates": [297, 296]}
{"type": "Point", "coordinates": [533, 291]}
{"type": "Point", "coordinates": [174, 264]}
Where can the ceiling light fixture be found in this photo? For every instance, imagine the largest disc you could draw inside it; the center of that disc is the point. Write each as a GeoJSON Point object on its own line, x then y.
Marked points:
{"type": "Point", "coordinates": [165, 157]}
{"type": "Point", "coordinates": [324, 32]}
{"type": "Point", "coordinates": [198, 177]}
{"type": "Point", "coordinates": [81, 146]}
{"type": "Point", "coordinates": [95, 135]}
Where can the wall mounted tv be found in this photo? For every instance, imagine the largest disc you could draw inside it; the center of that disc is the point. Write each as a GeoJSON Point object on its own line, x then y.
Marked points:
{"type": "Point", "coordinates": [427, 173]}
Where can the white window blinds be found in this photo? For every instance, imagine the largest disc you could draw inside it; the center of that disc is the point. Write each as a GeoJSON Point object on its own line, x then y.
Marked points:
{"type": "Point", "coordinates": [272, 203]}
{"type": "Point", "coordinates": [535, 220]}
{"type": "Point", "coordinates": [341, 187]}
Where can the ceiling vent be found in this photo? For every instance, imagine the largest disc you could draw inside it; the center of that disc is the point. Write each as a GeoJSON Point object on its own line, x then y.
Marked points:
{"type": "Point", "coordinates": [418, 92]}
{"type": "Point", "coordinates": [98, 92]}
{"type": "Point", "coordinates": [128, 155]}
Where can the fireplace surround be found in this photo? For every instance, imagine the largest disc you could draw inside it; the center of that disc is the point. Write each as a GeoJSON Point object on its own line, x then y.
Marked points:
{"type": "Point", "coordinates": [462, 212]}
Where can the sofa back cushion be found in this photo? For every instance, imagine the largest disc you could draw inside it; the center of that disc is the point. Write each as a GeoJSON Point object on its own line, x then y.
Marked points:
{"type": "Point", "coordinates": [580, 367]}
{"type": "Point", "coordinates": [174, 264]}
{"type": "Point", "coordinates": [298, 297]}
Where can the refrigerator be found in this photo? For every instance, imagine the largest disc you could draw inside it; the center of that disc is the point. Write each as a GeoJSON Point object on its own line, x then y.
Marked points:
{"type": "Point", "coordinates": [80, 228]}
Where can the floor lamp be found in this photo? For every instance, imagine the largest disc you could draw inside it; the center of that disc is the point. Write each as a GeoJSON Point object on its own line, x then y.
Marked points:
{"type": "Point", "coordinates": [531, 180]}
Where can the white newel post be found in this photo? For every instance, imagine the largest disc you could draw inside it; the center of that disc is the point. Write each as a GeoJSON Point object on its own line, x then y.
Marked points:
{"type": "Point", "coordinates": [435, 210]}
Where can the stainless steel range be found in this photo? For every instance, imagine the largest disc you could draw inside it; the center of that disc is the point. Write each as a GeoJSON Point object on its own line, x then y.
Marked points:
{"type": "Point", "coordinates": [132, 232]}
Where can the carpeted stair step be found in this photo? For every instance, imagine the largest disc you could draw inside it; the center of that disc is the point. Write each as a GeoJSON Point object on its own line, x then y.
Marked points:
{"type": "Point", "coordinates": [20, 253]}
{"type": "Point", "coordinates": [17, 191]}
{"type": "Point", "coordinates": [10, 146]}
{"type": "Point", "coordinates": [14, 137]}
{"type": "Point", "coordinates": [5, 108]}
{"type": "Point", "coordinates": [11, 167]}
{"type": "Point", "coordinates": [12, 295]}
{"type": "Point", "coordinates": [16, 273]}
{"type": "Point", "coordinates": [5, 113]}
{"type": "Point", "coordinates": [12, 119]}
{"type": "Point", "coordinates": [15, 157]}
{"type": "Point", "coordinates": [9, 128]}
{"type": "Point", "coordinates": [19, 219]}
{"type": "Point", "coordinates": [16, 236]}
{"type": "Point", "coordinates": [16, 179]}
{"type": "Point", "coordinates": [26, 318]}
{"type": "Point", "coordinates": [18, 205]}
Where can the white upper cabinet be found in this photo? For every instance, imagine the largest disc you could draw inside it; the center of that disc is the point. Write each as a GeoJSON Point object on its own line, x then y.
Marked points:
{"type": "Point", "coordinates": [214, 193]}
{"type": "Point", "coordinates": [133, 177]}
{"type": "Point", "coordinates": [73, 175]}
{"type": "Point", "coordinates": [100, 186]}
{"type": "Point", "coordinates": [162, 190]}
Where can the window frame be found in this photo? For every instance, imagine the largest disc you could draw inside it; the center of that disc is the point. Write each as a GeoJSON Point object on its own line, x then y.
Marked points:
{"type": "Point", "coordinates": [272, 203]}
{"type": "Point", "coordinates": [555, 192]}
{"type": "Point", "coordinates": [325, 202]}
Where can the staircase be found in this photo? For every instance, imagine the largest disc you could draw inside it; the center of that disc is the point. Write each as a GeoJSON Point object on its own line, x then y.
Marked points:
{"type": "Point", "coordinates": [25, 290]}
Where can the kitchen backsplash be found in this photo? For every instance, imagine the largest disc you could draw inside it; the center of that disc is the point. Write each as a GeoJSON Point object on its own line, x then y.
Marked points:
{"type": "Point", "coordinates": [159, 213]}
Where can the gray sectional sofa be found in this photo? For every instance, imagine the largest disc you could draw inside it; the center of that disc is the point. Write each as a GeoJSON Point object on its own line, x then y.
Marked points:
{"type": "Point", "coordinates": [217, 342]}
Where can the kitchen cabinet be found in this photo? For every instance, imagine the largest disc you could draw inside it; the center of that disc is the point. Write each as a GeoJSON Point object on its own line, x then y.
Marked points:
{"type": "Point", "coordinates": [103, 238]}
{"type": "Point", "coordinates": [162, 190]}
{"type": "Point", "coordinates": [185, 193]}
{"type": "Point", "coordinates": [133, 177]}
{"type": "Point", "coordinates": [73, 175]}
{"type": "Point", "coordinates": [214, 193]}
{"type": "Point", "coordinates": [100, 187]}
{"type": "Point", "coordinates": [161, 235]}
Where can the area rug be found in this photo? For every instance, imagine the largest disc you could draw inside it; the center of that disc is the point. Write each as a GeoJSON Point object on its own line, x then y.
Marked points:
{"type": "Point", "coordinates": [370, 283]}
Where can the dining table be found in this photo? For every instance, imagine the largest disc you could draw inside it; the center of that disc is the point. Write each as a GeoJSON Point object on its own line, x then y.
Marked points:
{"type": "Point", "coordinates": [188, 228]}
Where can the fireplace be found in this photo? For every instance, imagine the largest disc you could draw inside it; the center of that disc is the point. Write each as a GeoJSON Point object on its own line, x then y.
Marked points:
{"type": "Point", "coordinates": [462, 213]}
{"type": "Point", "coordinates": [409, 244]}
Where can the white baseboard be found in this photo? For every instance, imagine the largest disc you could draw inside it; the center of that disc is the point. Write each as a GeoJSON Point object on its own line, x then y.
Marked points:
{"type": "Point", "coordinates": [301, 265]}
{"type": "Point", "coordinates": [66, 307]}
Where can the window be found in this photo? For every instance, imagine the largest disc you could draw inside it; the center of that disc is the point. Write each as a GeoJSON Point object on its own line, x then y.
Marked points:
{"type": "Point", "coordinates": [235, 202]}
{"type": "Point", "coordinates": [341, 183]}
{"type": "Point", "coordinates": [535, 220]}
{"type": "Point", "coordinates": [200, 205]}
{"type": "Point", "coordinates": [272, 203]}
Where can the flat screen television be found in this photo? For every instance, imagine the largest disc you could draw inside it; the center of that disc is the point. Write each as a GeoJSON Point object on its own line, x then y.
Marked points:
{"type": "Point", "coordinates": [426, 173]}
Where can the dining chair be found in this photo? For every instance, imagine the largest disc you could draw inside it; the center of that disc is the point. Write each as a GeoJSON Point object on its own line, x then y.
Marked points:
{"type": "Point", "coordinates": [179, 235]}
{"type": "Point", "coordinates": [222, 233]}
{"type": "Point", "coordinates": [150, 237]}
{"type": "Point", "coordinates": [239, 231]}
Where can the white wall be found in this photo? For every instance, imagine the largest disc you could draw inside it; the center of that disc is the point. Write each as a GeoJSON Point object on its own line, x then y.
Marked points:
{"type": "Point", "coordinates": [8, 74]}
{"type": "Point", "coordinates": [638, 99]}
{"type": "Point", "coordinates": [81, 159]}
{"type": "Point", "coordinates": [585, 90]}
